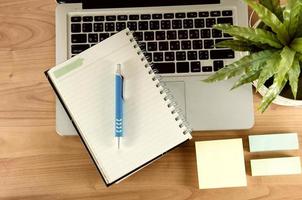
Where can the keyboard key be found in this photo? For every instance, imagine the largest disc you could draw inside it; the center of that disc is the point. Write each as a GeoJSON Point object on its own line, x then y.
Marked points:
{"type": "Point", "coordinates": [194, 34]}
{"type": "Point", "coordinates": [188, 23]}
{"type": "Point", "coordinates": [120, 26]}
{"type": "Point", "coordinates": [154, 25]}
{"type": "Point", "coordinates": [132, 26]}
{"type": "Point", "coordinates": [134, 17]}
{"type": "Point", "coordinates": [99, 18]}
{"type": "Point", "coordinates": [182, 34]}
{"type": "Point", "coordinates": [208, 44]}
{"type": "Point", "coordinates": [163, 46]}
{"type": "Point", "coordinates": [226, 35]}
{"type": "Point", "coordinates": [203, 14]}
{"type": "Point", "coordinates": [78, 38]}
{"type": "Point", "coordinates": [143, 46]}
{"type": "Point", "coordinates": [122, 17]}
{"type": "Point", "coordinates": [220, 40]}
{"type": "Point", "coordinates": [149, 36]}
{"type": "Point", "coordinates": [165, 24]}
{"type": "Point", "coordinates": [182, 67]}
{"type": "Point", "coordinates": [111, 18]}
{"type": "Point", "coordinates": [192, 55]}
{"type": "Point", "coordinates": [216, 33]}
{"type": "Point", "coordinates": [225, 20]}
{"type": "Point", "coordinates": [222, 54]}
{"type": "Point", "coordinates": [205, 33]}
{"type": "Point", "coordinates": [109, 27]}
{"type": "Point", "coordinates": [160, 35]}
{"type": "Point", "coordinates": [171, 35]}
{"type": "Point", "coordinates": [76, 19]}
{"type": "Point", "coordinates": [152, 46]}
{"type": "Point", "coordinates": [87, 27]}
{"type": "Point", "coordinates": [199, 23]}
{"type": "Point", "coordinates": [98, 27]}
{"type": "Point", "coordinates": [227, 13]}
{"type": "Point", "coordinates": [103, 36]}
{"type": "Point", "coordinates": [93, 37]}
{"type": "Point", "coordinates": [185, 44]}
{"type": "Point", "coordinates": [176, 24]}
{"type": "Point", "coordinates": [174, 45]}
{"type": "Point", "coordinates": [168, 15]}
{"type": "Point", "coordinates": [149, 57]}
{"type": "Point", "coordinates": [143, 25]}
{"type": "Point", "coordinates": [207, 68]}
{"type": "Point", "coordinates": [197, 44]}
{"type": "Point", "coordinates": [164, 68]}
{"type": "Point", "coordinates": [203, 55]}
{"type": "Point", "coordinates": [76, 49]}
{"type": "Point", "coordinates": [192, 14]}
{"type": "Point", "coordinates": [169, 56]}
{"type": "Point", "coordinates": [218, 64]}
{"type": "Point", "coordinates": [210, 22]}
{"type": "Point", "coordinates": [75, 28]}
{"type": "Point", "coordinates": [158, 56]}
{"type": "Point", "coordinates": [195, 67]}
{"type": "Point", "coordinates": [181, 55]}
{"type": "Point", "coordinates": [111, 34]}
{"type": "Point", "coordinates": [87, 19]}
{"type": "Point", "coordinates": [145, 17]}
{"type": "Point", "coordinates": [91, 45]}
{"type": "Point", "coordinates": [138, 36]}
{"type": "Point", "coordinates": [157, 16]}
{"type": "Point", "coordinates": [215, 13]}
{"type": "Point", "coordinates": [180, 15]}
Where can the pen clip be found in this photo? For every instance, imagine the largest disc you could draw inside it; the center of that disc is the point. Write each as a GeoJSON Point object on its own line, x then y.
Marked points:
{"type": "Point", "coordinates": [123, 87]}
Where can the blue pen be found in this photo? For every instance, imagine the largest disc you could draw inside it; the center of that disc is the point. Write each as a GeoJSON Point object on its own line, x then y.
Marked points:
{"type": "Point", "coordinates": [118, 105]}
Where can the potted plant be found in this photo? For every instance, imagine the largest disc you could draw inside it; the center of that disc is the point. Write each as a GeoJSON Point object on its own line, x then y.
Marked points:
{"type": "Point", "coordinates": [275, 51]}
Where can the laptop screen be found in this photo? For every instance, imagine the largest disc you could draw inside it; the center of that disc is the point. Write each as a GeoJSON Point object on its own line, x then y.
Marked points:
{"type": "Point", "coordinates": [142, 3]}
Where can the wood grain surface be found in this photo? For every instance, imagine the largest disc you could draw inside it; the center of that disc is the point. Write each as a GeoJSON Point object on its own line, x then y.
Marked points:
{"type": "Point", "coordinates": [36, 163]}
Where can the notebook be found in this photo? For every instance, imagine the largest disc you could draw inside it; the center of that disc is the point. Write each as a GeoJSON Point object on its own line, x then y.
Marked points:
{"type": "Point", "coordinates": [152, 124]}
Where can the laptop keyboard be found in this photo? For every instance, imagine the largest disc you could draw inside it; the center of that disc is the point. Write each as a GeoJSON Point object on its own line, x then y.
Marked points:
{"type": "Point", "coordinates": [176, 43]}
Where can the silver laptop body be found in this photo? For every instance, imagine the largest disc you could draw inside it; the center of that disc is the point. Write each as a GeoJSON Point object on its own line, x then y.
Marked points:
{"type": "Point", "coordinates": [206, 106]}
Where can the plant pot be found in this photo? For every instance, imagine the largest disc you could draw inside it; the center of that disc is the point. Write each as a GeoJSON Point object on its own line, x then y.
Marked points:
{"type": "Point", "coordinates": [285, 98]}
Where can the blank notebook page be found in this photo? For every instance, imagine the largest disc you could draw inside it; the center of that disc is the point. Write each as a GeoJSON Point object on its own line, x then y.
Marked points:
{"type": "Point", "coordinates": [86, 86]}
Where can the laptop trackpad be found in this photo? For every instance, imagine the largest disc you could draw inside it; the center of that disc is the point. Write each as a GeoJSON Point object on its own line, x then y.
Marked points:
{"type": "Point", "coordinates": [177, 89]}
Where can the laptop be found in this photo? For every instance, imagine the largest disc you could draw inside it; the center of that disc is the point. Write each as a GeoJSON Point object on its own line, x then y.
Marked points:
{"type": "Point", "coordinates": [178, 38]}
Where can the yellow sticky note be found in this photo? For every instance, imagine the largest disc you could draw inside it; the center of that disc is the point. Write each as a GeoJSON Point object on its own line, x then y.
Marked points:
{"type": "Point", "coordinates": [276, 166]}
{"type": "Point", "coordinates": [220, 163]}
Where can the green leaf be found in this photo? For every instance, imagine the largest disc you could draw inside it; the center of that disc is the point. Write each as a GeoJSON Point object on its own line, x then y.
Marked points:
{"type": "Point", "coordinates": [274, 6]}
{"type": "Point", "coordinates": [271, 20]}
{"type": "Point", "coordinates": [238, 45]}
{"type": "Point", "coordinates": [280, 78]}
{"type": "Point", "coordinates": [297, 44]}
{"type": "Point", "coordinates": [293, 76]}
{"type": "Point", "coordinates": [268, 70]}
{"type": "Point", "coordinates": [291, 16]}
{"type": "Point", "coordinates": [256, 35]}
{"type": "Point", "coordinates": [240, 67]}
{"type": "Point", "coordinates": [251, 75]}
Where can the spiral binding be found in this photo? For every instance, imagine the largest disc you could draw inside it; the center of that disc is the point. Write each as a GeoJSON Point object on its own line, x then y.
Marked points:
{"type": "Point", "coordinates": [167, 96]}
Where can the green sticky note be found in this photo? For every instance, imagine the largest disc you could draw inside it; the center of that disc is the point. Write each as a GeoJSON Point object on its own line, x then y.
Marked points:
{"type": "Point", "coordinates": [273, 142]}
{"type": "Point", "coordinates": [68, 68]}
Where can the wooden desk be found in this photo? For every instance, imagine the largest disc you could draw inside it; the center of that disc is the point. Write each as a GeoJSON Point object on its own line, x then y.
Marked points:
{"type": "Point", "coordinates": [36, 163]}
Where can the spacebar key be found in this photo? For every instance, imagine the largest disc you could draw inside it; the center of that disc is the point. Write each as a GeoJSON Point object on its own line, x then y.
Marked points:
{"type": "Point", "coordinates": [164, 68]}
{"type": "Point", "coordinates": [222, 54]}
